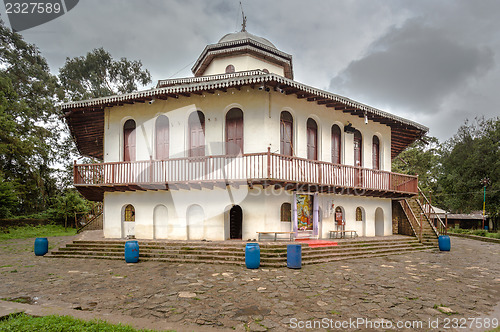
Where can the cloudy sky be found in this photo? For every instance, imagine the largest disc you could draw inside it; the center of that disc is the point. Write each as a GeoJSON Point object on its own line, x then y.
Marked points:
{"type": "Point", "coordinates": [435, 62]}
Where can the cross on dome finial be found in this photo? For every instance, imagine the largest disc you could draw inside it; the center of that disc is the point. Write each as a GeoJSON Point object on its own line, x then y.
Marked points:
{"type": "Point", "coordinates": [244, 24]}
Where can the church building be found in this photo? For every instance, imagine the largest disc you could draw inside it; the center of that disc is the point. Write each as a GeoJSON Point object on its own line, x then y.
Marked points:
{"type": "Point", "coordinates": [237, 149]}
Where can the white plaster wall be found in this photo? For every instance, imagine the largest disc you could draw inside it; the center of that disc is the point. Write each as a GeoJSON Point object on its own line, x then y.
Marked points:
{"type": "Point", "coordinates": [261, 212]}
{"type": "Point", "coordinates": [261, 111]}
{"type": "Point", "coordinates": [242, 62]}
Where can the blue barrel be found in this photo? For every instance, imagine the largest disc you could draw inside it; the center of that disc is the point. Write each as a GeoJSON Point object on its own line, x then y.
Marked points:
{"type": "Point", "coordinates": [131, 251]}
{"type": "Point", "coordinates": [294, 256]}
{"type": "Point", "coordinates": [444, 243]}
{"type": "Point", "coordinates": [252, 255]}
{"type": "Point", "coordinates": [486, 228]}
{"type": "Point", "coordinates": [41, 246]}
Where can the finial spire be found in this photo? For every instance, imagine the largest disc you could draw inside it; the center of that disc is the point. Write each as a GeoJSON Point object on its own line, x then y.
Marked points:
{"type": "Point", "coordinates": [244, 24]}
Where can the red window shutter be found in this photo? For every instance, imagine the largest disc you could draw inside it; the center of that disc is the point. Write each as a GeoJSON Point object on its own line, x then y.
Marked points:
{"type": "Point", "coordinates": [312, 140]}
{"type": "Point", "coordinates": [286, 134]}
{"type": "Point", "coordinates": [234, 132]}
{"type": "Point", "coordinates": [376, 153]}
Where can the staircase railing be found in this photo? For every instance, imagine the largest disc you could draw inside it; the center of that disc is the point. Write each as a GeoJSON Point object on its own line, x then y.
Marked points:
{"type": "Point", "coordinates": [414, 222]}
{"type": "Point", "coordinates": [91, 217]}
{"type": "Point", "coordinates": [439, 227]}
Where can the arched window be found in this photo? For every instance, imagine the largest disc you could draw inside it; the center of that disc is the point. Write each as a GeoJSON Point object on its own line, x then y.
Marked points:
{"type": "Point", "coordinates": [196, 134]}
{"type": "Point", "coordinates": [229, 69]}
{"type": "Point", "coordinates": [336, 144]}
{"type": "Point", "coordinates": [359, 214]}
{"type": "Point", "coordinates": [129, 140]}
{"type": "Point", "coordinates": [376, 152]}
{"type": "Point", "coordinates": [286, 212]}
{"type": "Point", "coordinates": [162, 137]}
{"type": "Point", "coordinates": [312, 139]}
{"type": "Point", "coordinates": [358, 149]}
{"type": "Point", "coordinates": [286, 134]}
{"type": "Point", "coordinates": [129, 213]}
{"type": "Point", "coordinates": [234, 131]}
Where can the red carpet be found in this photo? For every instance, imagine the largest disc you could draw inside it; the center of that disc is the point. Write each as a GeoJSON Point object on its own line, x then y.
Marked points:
{"type": "Point", "coordinates": [317, 243]}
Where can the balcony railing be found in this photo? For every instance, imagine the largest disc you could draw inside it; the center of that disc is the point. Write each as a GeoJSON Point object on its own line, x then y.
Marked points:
{"type": "Point", "coordinates": [269, 168]}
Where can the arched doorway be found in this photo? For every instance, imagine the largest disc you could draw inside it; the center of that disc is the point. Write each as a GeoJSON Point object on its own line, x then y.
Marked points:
{"type": "Point", "coordinates": [234, 132]}
{"type": "Point", "coordinates": [312, 139]}
{"type": "Point", "coordinates": [128, 221]}
{"type": "Point", "coordinates": [235, 222]}
{"type": "Point", "coordinates": [379, 222]}
{"type": "Point", "coordinates": [360, 219]}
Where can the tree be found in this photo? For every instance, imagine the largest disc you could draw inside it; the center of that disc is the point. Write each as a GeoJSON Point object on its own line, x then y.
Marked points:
{"type": "Point", "coordinates": [28, 122]}
{"type": "Point", "coordinates": [468, 157]}
{"type": "Point", "coordinates": [420, 158]}
{"type": "Point", "coordinates": [69, 205]}
{"type": "Point", "coordinates": [98, 75]}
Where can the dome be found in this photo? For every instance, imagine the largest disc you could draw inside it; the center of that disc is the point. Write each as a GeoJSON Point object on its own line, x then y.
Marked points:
{"type": "Point", "coordinates": [241, 35]}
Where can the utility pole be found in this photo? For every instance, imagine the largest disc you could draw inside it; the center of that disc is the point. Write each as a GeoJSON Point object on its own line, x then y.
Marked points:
{"type": "Point", "coordinates": [485, 182]}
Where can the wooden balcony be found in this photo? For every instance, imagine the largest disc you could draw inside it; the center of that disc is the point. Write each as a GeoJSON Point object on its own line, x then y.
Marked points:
{"type": "Point", "coordinates": [266, 169]}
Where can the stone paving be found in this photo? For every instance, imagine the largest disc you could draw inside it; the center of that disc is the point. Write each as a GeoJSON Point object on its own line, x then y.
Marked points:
{"type": "Point", "coordinates": [410, 288]}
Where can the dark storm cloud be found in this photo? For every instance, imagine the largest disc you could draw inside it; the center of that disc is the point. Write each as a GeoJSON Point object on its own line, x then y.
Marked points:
{"type": "Point", "coordinates": [414, 66]}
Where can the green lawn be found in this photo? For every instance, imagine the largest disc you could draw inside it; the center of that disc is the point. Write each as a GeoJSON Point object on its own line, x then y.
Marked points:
{"type": "Point", "coordinates": [26, 232]}
{"type": "Point", "coordinates": [24, 322]}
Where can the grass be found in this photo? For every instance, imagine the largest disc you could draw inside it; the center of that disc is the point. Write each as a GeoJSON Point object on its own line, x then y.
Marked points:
{"type": "Point", "coordinates": [478, 232]}
{"type": "Point", "coordinates": [24, 322]}
{"type": "Point", "coordinates": [26, 232]}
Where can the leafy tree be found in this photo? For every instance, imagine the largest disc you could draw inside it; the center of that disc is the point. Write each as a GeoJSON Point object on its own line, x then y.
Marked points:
{"type": "Point", "coordinates": [28, 122]}
{"type": "Point", "coordinates": [8, 197]}
{"type": "Point", "coordinates": [468, 157]}
{"type": "Point", "coordinates": [422, 159]}
{"type": "Point", "coordinates": [66, 207]}
{"type": "Point", "coordinates": [97, 75]}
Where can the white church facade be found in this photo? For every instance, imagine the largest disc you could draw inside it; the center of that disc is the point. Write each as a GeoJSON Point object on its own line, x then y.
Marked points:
{"type": "Point", "coordinates": [237, 149]}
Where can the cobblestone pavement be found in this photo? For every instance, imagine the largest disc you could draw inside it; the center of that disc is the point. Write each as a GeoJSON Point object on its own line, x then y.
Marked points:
{"type": "Point", "coordinates": [412, 288]}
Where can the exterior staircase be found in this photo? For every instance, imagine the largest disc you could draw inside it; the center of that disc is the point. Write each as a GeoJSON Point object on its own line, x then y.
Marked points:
{"type": "Point", "coordinates": [425, 223]}
{"type": "Point", "coordinates": [93, 220]}
{"type": "Point", "coordinates": [272, 254]}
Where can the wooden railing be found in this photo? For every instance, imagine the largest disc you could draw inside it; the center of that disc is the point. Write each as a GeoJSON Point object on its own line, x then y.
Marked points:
{"type": "Point", "coordinates": [248, 167]}
{"type": "Point", "coordinates": [437, 224]}
{"type": "Point", "coordinates": [415, 224]}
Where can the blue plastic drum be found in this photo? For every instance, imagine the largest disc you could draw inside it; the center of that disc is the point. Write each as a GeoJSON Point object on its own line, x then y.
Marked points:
{"type": "Point", "coordinates": [41, 246]}
{"type": "Point", "coordinates": [131, 251]}
{"type": "Point", "coordinates": [444, 243]}
{"type": "Point", "coordinates": [252, 255]}
{"type": "Point", "coordinates": [294, 256]}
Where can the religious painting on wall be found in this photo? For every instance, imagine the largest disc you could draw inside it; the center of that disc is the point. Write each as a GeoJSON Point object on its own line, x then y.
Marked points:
{"type": "Point", "coordinates": [304, 212]}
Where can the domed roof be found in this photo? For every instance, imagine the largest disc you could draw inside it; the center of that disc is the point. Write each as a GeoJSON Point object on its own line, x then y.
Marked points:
{"type": "Point", "coordinates": [241, 35]}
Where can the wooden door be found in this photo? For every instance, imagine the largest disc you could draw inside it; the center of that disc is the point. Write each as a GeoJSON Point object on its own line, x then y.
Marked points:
{"type": "Point", "coordinates": [358, 158]}
{"type": "Point", "coordinates": [286, 134]}
{"type": "Point", "coordinates": [162, 137]}
{"type": "Point", "coordinates": [376, 153]}
{"type": "Point", "coordinates": [312, 139]}
{"type": "Point", "coordinates": [336, 144]}
{"type": "Point", "coordinates": [129, 140]}
{"type": "Point", "coordinates": [234, 132]}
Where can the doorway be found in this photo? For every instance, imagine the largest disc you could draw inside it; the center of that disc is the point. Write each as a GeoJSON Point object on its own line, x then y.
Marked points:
{"type": "Point", "coordinates": [235, 222]}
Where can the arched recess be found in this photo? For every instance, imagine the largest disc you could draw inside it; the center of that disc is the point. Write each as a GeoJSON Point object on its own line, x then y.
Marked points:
{"type": "Point", "coordinates": [361, 220]}
{"type": "Point", "coordinates": [195, 222]}
{"type": "Point", "coordinates": [160, 222]}
{"type": "Point", "coordinates": [375, 152]}
{"type": "Point", "coordinates": [196, 124]}
{"type": "Point", "coordinates": [336, 144]}
{"type": "Point", "coordinates": [286, 134]}
{"type": "Point", "coordinates": [234, 131]}
{"type": "Point", "coordinates": [235, 222]}
{"type": "Point", "coordinates": [379, 222]}
{"type": "Point", "coordinates": [129, 140]}
{"type": "Point", "coordinates": [312, 139]}
{"type": "Point", "coordinates": [162, 130]}
{"type": "Point", "coordinates": [128, 221]}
